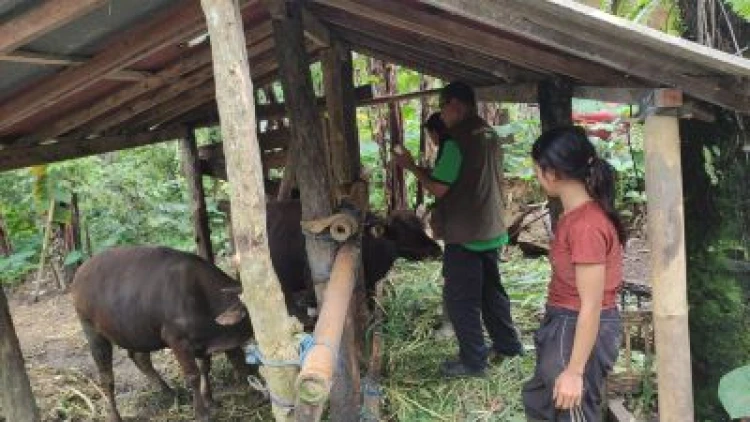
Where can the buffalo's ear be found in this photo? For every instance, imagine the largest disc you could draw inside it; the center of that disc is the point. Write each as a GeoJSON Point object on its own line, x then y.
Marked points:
{"type": "Point", "coordinates": [233, 290]}
{"type": "Point", "coordinates": [377, 230]}
{"type": "Point", "coordinates": [233, 315]}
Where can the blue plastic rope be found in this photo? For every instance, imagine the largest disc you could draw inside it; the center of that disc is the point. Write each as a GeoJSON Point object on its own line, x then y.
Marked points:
{"type": "Point", "coordinates": [254, 356]}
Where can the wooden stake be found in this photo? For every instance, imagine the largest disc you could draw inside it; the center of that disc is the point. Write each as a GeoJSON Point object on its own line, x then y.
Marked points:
{"type": "Point", "coordinates": [274, 329]}
{"type": "Point", "coordinates": [194, 179]}
{"type": "Point", "coordinates": [666, 236]}
{"type": "Point", "coordinates": [16, 399]}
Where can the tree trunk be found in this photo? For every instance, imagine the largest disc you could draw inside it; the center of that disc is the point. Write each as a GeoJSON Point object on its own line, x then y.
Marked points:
{"type": "Point", "coordinates": [16, 399]}
{"type": "Point", "coordinates": [274, 329]}
{"type": "Point", "coordinates": [194, 179]}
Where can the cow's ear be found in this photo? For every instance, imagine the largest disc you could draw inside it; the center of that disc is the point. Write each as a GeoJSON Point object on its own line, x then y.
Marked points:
{"type": "Point", "coordinates": [233, 315]}
{"type": "Point", "coordinates": [233, 290]}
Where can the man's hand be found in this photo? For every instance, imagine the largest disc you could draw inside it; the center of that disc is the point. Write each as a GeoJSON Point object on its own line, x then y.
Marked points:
{"type": "Point", "coordinates": [568, 390]}
{"type": "Point", "coordinates": [402, 157]}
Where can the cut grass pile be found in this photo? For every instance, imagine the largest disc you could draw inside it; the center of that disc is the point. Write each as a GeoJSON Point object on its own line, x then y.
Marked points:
{"type": "Point", "coordinates": [413, 389]}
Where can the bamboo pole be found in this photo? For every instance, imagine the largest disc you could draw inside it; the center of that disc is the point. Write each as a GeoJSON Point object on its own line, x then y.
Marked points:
{"type": "Point", "coordinates": [666, 236]}
{"type": "Point", "coordinates": [274, 329]}
{"type": "Point", "coordinates": [316, 375]}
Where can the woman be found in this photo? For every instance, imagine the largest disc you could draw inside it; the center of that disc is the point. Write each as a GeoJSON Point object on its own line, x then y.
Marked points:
{"type": "Point", "coordinates": [578, 341]}
{"type": "Point", "coordinates": [437, 131]}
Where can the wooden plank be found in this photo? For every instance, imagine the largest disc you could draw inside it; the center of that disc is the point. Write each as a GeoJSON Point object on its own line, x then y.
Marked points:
{"type": "Point", "coordinates": [196, 81]}
{"type": "Point", "coordinates": [16, 398]}
{"type": "Point", "coordinates": [338, 83]}
{"type": "Point", "coordinates": [417, 43]}
{"type": "Point", "coordinates": [42, 19]}
{"type": "Point", "coordinates": [66, 149]}
{"type": "Point", "coordinates": [179, 23]}
{"type": "Point", "coordinates": [668, 277]}
{"type": "Point", "coordinates": [197, 59]}
{"type": "Point", "coordinates": [69, 61]}
{"type": "Point", "coordinates": [194, 178]}
{"type": "Point", "coordinates": [315, 29]}
{"type": "Point", "coordinates": [274, 329]}
{"type": "Point", "coordinates": [624, 32]}
{"type": "Point", "coordinates": [521, 19]}
{"type": "Point", "coordinates": [391, 13]}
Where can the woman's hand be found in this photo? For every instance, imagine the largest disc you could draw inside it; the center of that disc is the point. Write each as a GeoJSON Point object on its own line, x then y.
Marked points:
{"type": "Point", "coordinates": [568, 389]}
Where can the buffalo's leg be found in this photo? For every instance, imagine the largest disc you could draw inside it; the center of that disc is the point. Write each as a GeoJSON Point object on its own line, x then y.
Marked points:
{"type": "Point", "coordinates": [101, 351]}
{"type": "Point", "coordinates": [144, 364]}
{"type": "Point", "coordinates": [204, 366]}
{"type": "Point", "coordinates": [186, 360]}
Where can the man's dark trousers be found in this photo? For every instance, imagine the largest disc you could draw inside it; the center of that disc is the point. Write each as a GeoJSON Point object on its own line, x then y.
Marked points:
{"type": "Point", "coordinates": [472, 293]}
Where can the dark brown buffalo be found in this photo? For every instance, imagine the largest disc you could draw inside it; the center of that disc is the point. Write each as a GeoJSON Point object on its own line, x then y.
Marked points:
{"type": "Point", "coordinates": [147, 298]}
{"type": "Point", "coordinates": [401, 235]}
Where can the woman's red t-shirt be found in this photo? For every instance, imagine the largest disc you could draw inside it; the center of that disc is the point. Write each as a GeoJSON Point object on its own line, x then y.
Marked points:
{"type": "Point", "coordinates": [584, 235]}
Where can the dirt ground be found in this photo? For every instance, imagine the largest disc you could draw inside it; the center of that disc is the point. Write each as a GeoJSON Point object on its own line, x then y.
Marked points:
{"type": "Point", "coordinates": [63, 374]}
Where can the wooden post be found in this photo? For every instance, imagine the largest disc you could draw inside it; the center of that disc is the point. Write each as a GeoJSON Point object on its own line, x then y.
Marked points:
{"type": "Point", "coordinates": [16, 399]}
{"type": "Point", "coordinates": [6, 246]}
{"type": "Point", "coordinates": [555, 109]}
{"type": "Point", "coordinates": [666, 236]}
{"type": "Point", "coordinates": [338, 80]}
{"type": "Point", "coordinates": [194, 179]}
{"type": "Point", "coordinates": [397, 178]}
{"type": "Point", "coordinates": [274, 329]}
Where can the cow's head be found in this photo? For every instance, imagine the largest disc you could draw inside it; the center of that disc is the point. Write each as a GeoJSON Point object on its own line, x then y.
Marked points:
{"type": "Point", "coordinates": [407, 232]}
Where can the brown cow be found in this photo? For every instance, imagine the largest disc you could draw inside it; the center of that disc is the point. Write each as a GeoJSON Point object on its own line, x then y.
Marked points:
{"type": "Point", "coordinates": [144, 299]}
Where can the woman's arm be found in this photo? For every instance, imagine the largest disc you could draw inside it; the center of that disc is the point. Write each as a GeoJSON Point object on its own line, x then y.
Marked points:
{"type": "Point", "coordinates": [590, 284]}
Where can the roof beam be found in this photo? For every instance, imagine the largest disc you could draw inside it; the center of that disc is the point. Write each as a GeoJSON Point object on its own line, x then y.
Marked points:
{"type": "Point", "coordinates": [396, 14]}
{"type": "Point", "coordinates": [521, 19]}
{"type": "Point", "coordinates": [179, 23]}
{"type": "Point", "coordinates": [458, 56]}
{"type": "Point", "coordinates": [69, 61]}
{"type": "Point", "coordinates": [421, 62]}
{"type": "Point", "coordinates": [257, 36]}
{"type": "Point", "coordinates": [42, 19]}
{"type": "Point", "coordinates": [66, 149]}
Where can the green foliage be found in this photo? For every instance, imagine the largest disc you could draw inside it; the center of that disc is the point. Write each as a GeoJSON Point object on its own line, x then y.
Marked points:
{"type": "Point", "coordinates": [734, 392]}
{"type": "Point", "coordinates": [741, 7]}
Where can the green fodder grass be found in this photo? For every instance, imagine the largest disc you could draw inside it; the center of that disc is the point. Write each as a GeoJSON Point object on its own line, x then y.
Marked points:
{"type": "Point", "coordinates": [413, 388]}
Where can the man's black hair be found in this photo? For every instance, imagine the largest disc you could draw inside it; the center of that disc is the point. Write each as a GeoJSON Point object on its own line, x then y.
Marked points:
{"type": "Point", "coordinates": [460, 91]}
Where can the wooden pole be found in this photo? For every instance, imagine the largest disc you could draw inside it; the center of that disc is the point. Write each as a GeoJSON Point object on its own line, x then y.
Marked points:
{"type": "Point", "coordinates": [666, 236]}
{"type": "Point", "coordinates": [16, 399]}
{"type": "Point", "coordinates": [274, 329]}
{"type": "Point", "coordinates": [194, 179]}
{"type": "Point", "coordinates": [555, 109]}
{"type": "Point", "coordinates": [397, 177]}
{"type": "Point", "coordinates": [6, 246]}
{"type": "Point", "coordinates": [316, 376]}
{"type": "Point", "coordinates": [338, 80]}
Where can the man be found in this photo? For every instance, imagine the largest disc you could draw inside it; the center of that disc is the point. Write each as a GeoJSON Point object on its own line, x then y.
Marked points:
{"type": "Point", "coordinates": [467, 215]}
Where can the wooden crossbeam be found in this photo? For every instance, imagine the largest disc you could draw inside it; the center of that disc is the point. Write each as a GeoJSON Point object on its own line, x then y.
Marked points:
{"type": "Point", "coordinates": [48, 16]}
{"type": "Point", "coordinates": [395, 14]}
{"type": "Point", "coordinates": [200, 57]}
{"type": "Point", "coordinates": [278, 111]}
{"type": "Point", "coordinates": [66, 149]}
{"type": "Point", "coordinates": [543, 25]}
{"type": "Point", "coordinates": [41, 59]}
{"type": "Point", "coordinates": [179, 23]}
{"type": "Point", "coordinates": [421, 46]}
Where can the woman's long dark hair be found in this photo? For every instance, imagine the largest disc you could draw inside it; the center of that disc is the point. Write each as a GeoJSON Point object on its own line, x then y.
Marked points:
{"type": "Point", "coordinates": [568, 152]}
{"type": "Point", "coordinates": [435, 123]}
